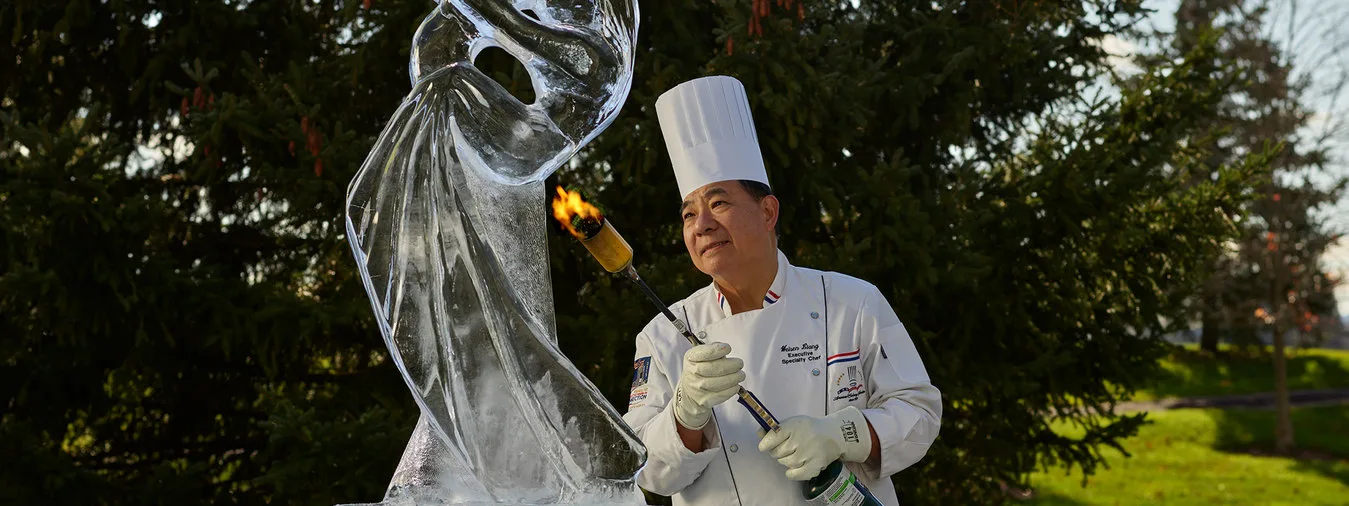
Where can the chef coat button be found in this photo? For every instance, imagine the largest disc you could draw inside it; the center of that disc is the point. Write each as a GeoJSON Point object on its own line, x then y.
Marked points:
{"type": "Point", "coordinates": [702, 334]}
{"type": "Point", "coordinates": [814, 372]}
{"type": "Point", "coordinates": [735, 448]}
{"type": "Point", "coordinates": [814, 315]}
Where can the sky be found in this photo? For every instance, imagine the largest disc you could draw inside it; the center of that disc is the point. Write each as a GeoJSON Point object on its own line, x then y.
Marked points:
{"type": "Point", "coordinates": [1315, 35]}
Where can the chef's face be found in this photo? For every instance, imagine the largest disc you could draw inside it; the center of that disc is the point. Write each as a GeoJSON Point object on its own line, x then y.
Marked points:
{"type": "Point", "coordinates": [726, 228]}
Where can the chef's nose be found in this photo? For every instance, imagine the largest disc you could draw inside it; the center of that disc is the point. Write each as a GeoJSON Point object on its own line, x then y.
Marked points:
{"type": "Point", "coordinates": [704, 223]}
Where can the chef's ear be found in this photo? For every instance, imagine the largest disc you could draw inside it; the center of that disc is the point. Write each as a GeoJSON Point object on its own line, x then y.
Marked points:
{"type": "Point", "coordinates": [769, 205]}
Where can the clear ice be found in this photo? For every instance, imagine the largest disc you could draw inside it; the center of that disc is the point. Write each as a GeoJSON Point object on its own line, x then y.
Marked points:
{"type": "Point", "coordinates": [447, 220]}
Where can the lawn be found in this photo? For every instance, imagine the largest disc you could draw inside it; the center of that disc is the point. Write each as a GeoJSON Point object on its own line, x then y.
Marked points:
{"type": "Point", "coordinates": [1189, 373]}
{"type": "Point", "coordinates": [1206, 457]}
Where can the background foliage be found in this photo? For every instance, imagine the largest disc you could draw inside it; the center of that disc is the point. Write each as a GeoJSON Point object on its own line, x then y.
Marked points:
{"type": "Point", "coordinates": [182, 323]}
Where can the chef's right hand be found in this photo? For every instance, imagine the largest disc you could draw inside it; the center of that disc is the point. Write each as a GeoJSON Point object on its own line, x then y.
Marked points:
{"type": "Point", "coordinates": [709, 378]}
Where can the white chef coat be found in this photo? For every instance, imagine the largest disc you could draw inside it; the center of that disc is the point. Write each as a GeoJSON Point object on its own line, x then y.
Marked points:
{"type": "Point", "coordinates": [823, 341]}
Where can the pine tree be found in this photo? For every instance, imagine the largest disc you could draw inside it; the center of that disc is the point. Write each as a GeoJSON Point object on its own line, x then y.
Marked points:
{"type": "Point", "coordinates": [181, 317]}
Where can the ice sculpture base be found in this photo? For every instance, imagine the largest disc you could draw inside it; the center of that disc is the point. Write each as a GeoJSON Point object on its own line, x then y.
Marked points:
{"type": "Point", "coordinates": [594, 501]}
{"type": "Point", "coordinates": [604, 501]}
{"type": "Point", "coordinates": [618, 497]}
{"type": "Point", "coordinates": [433, 502]}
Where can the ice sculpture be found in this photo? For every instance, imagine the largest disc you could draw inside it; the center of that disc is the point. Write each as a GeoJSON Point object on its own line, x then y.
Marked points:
{"type": "Point", "coordinates": [447, 221]}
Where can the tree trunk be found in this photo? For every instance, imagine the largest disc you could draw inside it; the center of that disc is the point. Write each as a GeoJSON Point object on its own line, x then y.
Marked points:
{"type": "Point", "coordinates": [1211, 307]}
{"type": "Point", "coordinates": [1283, 427]}
{"type": "Point", "coordinates": [1212, 327]}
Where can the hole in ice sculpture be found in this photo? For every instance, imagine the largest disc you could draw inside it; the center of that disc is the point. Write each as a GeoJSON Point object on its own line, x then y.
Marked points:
{"type": "Point", "coordinates": [507, 71]}
{"type": "Point", "coordinates": [530, 12]}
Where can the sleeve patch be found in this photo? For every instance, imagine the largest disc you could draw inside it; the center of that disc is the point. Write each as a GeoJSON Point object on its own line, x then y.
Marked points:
{"type": "Point", "coordinates": [641, 370]}
{"type": "Point", "coordinates": [638, 398]}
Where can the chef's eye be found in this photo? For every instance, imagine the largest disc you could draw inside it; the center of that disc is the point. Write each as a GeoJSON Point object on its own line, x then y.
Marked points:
{"type": "Point", "coordinates": [688, 215]}
{"type": "Point", "coordinates": [716, 203]}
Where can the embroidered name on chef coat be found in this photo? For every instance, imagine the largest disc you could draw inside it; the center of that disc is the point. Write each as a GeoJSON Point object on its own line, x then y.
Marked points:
{"type": "Point", "coordinates": [804, 352]}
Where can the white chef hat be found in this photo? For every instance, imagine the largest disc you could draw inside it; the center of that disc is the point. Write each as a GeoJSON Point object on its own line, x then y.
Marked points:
{"type": "Point", "coordinates": [710, 133]}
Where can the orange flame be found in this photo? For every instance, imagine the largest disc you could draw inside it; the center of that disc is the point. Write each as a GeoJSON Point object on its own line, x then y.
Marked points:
{"type": "Point", "coordinates": [568, 205]}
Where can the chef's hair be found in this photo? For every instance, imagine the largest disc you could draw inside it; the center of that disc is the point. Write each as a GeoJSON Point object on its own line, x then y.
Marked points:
{"type": "Point", "coordinates": [755, 189]}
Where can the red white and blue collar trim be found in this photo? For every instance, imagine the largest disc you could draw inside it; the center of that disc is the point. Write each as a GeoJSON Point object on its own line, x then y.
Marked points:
{"type": "Point", "coordinates": [843, 357]}
{"type": "Point", "coordinates": [775, 290]}
{"type": "Point", "coordinates": [768, 298]}
{"type": "Point", "coordinates": [771, 297]}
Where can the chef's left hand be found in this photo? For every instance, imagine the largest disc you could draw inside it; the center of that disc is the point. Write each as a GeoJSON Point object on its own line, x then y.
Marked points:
{"type": "Point", "coordinates": [807, 444]}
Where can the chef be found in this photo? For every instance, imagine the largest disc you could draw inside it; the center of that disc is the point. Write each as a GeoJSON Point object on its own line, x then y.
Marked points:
{"type": "Point", "coordinates": [824, 351]}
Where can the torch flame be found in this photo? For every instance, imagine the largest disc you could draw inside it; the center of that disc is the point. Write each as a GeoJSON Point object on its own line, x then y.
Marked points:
{"type": "Point", "coordinates": [568, 205]}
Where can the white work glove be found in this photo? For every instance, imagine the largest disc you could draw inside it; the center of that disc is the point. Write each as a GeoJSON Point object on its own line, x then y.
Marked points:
{"type": "Point", "coordinates": [709, 379]}
{"type": "Point", "coordinates": [807, 444]}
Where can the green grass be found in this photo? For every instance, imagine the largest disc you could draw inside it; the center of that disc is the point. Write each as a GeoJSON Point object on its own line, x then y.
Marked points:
{"type": "Point", "coordinates": [1189, 373]}
{"type": "Point", "coordinates": [1203, 457]}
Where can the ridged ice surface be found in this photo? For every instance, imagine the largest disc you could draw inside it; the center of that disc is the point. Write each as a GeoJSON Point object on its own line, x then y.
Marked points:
{"type": "Point", "coordinates": [447, 219]}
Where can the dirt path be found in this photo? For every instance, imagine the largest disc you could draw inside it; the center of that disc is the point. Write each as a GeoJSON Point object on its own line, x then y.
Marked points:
{"type": "Point", "coordinates": [1299, 398]}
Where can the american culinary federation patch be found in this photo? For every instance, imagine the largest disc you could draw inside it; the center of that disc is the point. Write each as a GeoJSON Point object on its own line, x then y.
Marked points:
{"type": "Point", "coordinates": [851, 389]}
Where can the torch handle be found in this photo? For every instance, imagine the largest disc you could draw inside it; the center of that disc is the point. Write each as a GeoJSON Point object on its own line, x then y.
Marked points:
{"type": "Point", "coordinates": [747, 398]}
{"type": "Point", "coordinates": [757, 410]}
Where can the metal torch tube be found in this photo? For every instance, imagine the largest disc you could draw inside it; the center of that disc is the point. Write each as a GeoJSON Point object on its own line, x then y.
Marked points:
{"type": "Point", "coordinates": [747, 398]}
{"type": "Point", "coordinates": [660, 305]}
{"type": "Point", "coordinates": [609, 248]}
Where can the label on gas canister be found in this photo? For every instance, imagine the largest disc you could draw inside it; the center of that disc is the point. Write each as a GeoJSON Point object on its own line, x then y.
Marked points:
{"type": "Point", "coordinates": [842, 492]}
